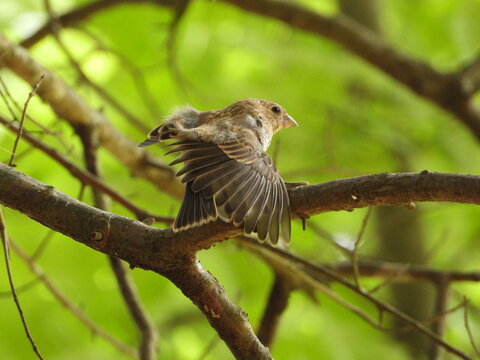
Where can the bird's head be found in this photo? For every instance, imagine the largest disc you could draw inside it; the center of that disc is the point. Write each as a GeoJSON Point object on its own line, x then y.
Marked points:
{"type": "Point", "coordinates": [276, 115]}
{"type": "Point", "coordinates": [262, 111]}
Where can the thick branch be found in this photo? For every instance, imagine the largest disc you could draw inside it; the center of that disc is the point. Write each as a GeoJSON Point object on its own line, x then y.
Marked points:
{"type": "Point", "coordinates": [446, 90]}
{"type": "Point", "coordinates": [69, 105]}
{"type": "Point", "coordinates": [162, 249]}
{"type": "Point", "coordinates": [228, 319]}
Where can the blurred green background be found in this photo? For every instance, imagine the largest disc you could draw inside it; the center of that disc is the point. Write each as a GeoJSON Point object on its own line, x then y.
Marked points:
{"type": "Point", "coordinates": [353, 120]}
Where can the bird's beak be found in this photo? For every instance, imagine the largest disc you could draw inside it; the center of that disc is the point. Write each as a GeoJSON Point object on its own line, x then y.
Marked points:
{"type": "Point", "coordinates": [289, 122]}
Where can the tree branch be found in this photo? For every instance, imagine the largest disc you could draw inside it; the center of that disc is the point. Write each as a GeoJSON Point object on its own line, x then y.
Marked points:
{"type": "Point", "coordinates": [384, 189]}
{"type": "Point", "coordinates": [227, 318]}
{"type": "Point", "coordinates": [161, 249]}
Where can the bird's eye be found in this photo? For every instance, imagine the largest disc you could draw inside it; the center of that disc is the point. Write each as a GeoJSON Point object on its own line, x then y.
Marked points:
{"type": "Point", "coordinates": [276, 109]}
{"type": "Point", "coordinates": [259, 123]}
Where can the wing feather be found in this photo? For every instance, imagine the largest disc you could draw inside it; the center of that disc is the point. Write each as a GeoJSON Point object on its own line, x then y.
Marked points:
{"type": "Point", "coordinates": [265, 217]}
{"type": "Point", "coordinates": [237, 183]}
{"type": "Point", "coordinates": [253, 215]}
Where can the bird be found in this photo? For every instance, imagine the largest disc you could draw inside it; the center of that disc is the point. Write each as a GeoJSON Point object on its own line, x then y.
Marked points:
{"type": "Point", "coordinates": [227, 172]}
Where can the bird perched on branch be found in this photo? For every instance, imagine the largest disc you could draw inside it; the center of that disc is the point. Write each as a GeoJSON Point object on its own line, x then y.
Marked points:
{"type": "Point", "coordinates": [227, 173]}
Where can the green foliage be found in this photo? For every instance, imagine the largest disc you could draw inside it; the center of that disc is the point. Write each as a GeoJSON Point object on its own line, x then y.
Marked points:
{"type": "Point", "coordinates": [353, 120]}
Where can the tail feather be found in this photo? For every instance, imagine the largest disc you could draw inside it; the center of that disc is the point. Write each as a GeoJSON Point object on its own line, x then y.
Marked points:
{"type": "Point", "coordinates": [196, 210]}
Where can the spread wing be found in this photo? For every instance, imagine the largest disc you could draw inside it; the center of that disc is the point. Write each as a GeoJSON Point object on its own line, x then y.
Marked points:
{"type": "Point", "coordinates": [244, 184]}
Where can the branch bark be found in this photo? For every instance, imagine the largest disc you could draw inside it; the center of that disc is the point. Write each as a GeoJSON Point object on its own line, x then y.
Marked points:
{"type": "Point", "coordinates": [401, 189]}
{"type": "Point", "coordinates": [228, 319]}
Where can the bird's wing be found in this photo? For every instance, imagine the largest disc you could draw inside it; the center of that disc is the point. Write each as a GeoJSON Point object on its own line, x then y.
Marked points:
{"type": "Point", "coordinates": [244, 183]}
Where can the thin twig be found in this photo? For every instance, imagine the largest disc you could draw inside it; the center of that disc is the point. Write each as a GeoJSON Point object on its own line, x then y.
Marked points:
{"type": "Point", "coordinates": [5, 243]}
{"type": "Point", "coordinates": [43, 244]}
{"type": "Point", "coordinates": [8, 96]}
{"type": "Point", "coordinates": [22, 119]}
{"type": "Point", "coordinates": [433, 319]}
{"type": "Point", "coordinates": [82, 13]}
{"type": "Point", "coordinates": [318, 230]}
{"type": "Point", "coordinates": [22, 288]}
{"type": "Point", "coordinates": [398, 271]}
{"type": "Point", "coordinates": [4, 97]}
{"type": "Point", "coordinates": [390, 278]}
{"type": "Point", "coordinates": [384, 307]}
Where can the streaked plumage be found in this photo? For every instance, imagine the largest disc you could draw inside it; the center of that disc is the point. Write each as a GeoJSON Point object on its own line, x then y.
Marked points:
{"type": "Point", "coordinates": [227, 173]}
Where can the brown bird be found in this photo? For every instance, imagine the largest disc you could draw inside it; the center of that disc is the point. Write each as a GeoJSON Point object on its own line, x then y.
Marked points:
{"type": "Point", "coordinates": [227, 173]}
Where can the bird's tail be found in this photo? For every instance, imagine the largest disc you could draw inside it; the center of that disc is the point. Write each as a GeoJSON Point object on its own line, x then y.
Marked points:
{"type": "Point", "coordinates": [196, 210]}
{"type": "Point", "coordinates": [160, 133]}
